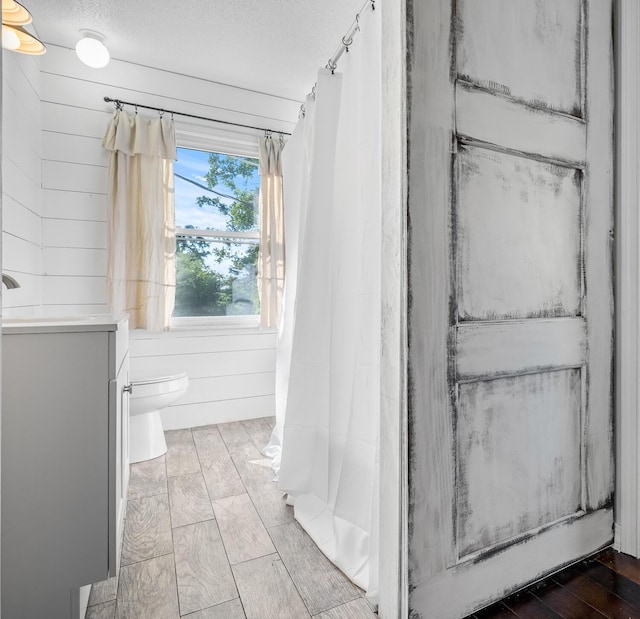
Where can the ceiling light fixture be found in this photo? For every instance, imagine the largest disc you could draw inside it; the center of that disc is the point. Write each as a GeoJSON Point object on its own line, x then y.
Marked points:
{"type": "Point", "coordinates": [14, 14]}
{"type": "Point", "coordinates": [92, 50]}
{"type": "Point", "coordinates": [14, 36]}
{"type": "Point", "coordinates": [10, 38]}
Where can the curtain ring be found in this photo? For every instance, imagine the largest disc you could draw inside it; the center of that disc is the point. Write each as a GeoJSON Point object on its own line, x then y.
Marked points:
{"type": "Point", "coordinates": [161, 112]}
{"type": "Point", "coordinates": [136, 110]}
{"type": "Point", "coordinates": [332, 65]}
{"type": "Point", "coordinates": [373, 5]}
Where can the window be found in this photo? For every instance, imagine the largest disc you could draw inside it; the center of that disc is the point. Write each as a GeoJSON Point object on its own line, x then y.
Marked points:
{"type": "Point", "coordinates": [216, 207]}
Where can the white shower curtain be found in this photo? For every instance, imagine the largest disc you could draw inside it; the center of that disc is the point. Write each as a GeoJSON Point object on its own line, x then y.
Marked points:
{"type": "Point", "coordinates": [327, 377]}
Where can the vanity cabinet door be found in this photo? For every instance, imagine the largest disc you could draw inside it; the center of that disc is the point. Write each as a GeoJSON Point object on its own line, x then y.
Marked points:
{"type": "Point", "coordinates": [119, 465]}
{"type": "Point", "coordinates": [54, 469]}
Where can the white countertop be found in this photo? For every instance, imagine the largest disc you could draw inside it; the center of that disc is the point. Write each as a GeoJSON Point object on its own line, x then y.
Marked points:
{"type": "Point", "coordinates": [59, 324]}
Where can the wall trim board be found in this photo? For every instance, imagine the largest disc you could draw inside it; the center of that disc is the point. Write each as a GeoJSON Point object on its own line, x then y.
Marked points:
{"type": "Point", "coordinates": [152, 86]}
{"type": "Point", "coordinates": [21, 222]}
{"type": "Point", "coordinates": [199, 342]}
{"type": "Point", "coordinates": [393, 574]}
{"type": "Point", "coordinates": [21, 182]}
{"type": "Point", "coordinates": [52, 309]}
{"type": "Point", "coordinates": [627, 360]}
{"type": "Point", "coordinates": [75, 205]}
{"type": "Point", "coordinates": [207, 413]}
{"type": "Point", "coordinates": [208, 364]}
{"type": "Point", "coordinates": [20, 187]}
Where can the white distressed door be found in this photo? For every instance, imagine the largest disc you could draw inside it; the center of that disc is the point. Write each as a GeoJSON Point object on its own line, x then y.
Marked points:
{"type": "Point", "coordinates": [510, 294]}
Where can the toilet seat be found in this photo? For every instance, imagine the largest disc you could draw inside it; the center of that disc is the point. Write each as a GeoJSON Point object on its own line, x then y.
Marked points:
{"type": "Point", "coordinates": [145, 385]}
{"type": "Point", "coordinates": [144, 379]}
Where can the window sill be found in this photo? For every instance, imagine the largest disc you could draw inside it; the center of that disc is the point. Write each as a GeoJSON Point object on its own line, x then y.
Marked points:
{"type": "Point", "coordinates": [215, 322]}
{"type": "Point", "coordinates": [205, 326]}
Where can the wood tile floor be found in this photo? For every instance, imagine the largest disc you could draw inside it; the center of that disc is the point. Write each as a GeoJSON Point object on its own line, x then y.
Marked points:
{"type": "Point", "coordinates": [607, 585]}
{"type": "Point", "coordinates": [208, 536]}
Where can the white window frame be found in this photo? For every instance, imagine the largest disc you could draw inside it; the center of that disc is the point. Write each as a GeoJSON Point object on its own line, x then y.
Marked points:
{"type": "Point", "coordinates": [211, 139]}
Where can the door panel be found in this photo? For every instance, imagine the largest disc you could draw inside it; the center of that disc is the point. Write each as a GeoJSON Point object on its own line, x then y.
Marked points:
{"type": "Point", "coordinates": [529, 50]}
{"type": "Point", "coordinates": [493, 119]}
{"type": "Point", "coordinates": [492, 349]}
{"type": "Point", "coordinates": [506, 484]}
{"type": "Point", "coordinates": [519, 237]}
{"type": "Point", "coordinates": [510, 295]}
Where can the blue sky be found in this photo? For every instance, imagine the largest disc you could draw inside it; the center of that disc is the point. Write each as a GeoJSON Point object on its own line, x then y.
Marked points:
{"type": "Point", "coordinates": [194, 164]}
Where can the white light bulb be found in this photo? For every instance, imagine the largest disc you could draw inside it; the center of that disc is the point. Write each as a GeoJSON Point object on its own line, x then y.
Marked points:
{"type": "Point", "coordinates": [92, 52]}
{"type": "Point", "coordinates": [10, 39]}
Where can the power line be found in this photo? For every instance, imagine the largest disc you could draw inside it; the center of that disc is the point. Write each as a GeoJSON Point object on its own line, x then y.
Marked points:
{"type": "Point", "coordinates": [222, 195]}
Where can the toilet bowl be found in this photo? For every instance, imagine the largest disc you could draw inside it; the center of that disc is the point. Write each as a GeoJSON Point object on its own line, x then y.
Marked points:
{"type": "Point", "coordinates": [149, 395]}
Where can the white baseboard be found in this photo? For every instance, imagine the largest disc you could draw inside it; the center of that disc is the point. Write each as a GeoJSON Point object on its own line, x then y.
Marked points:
{"type": "Point", "coordinates": [616, 537]}
{"type": "Point", "coordinates": [209, 413]}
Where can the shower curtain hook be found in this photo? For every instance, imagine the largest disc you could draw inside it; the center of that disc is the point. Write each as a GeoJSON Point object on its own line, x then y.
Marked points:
{"type": "Point", "coordinates": [373, 5]}
{"type": "Point", "coordinates": [136, 110]}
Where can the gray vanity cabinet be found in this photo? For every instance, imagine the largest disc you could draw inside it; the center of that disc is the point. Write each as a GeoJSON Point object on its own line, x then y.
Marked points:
{"type": "Point", "coordinates": [64, 460]}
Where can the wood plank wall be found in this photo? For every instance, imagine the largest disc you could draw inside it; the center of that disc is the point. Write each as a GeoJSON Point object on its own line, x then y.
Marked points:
{"type": "Point", "coordinates": [21, 179]}
{"type": "Point", "coordinates": [232, 371]}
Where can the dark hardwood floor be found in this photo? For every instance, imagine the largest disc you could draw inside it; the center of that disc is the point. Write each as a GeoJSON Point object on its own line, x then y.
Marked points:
{"type": "Point", "coordinates": [606, 585]}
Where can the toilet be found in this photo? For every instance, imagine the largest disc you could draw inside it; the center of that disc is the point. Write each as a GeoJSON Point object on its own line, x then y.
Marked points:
{"type": "Point", "coordinates": [149, 395]}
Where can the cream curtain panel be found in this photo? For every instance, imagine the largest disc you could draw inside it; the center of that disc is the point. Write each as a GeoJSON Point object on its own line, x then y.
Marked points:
{"type": "Point", "coordinates": [272, 255]}
{"type": "Point", "coordinates": [142, 240]}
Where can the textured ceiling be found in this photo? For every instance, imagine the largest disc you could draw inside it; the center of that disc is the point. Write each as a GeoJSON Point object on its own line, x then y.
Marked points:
{"type": "Point", "coordinates": [272, 46]}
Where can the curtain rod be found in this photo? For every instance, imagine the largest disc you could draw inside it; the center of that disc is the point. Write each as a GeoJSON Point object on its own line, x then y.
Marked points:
{"type": "Point", "coordinates": [347, 41]}
{"type": "Point", "coordinates": [119, 103]}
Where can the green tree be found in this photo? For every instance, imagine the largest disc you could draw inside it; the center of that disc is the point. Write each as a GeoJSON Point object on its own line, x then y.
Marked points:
{"type": "Point", "coordinates": [197, 245]}
{"type": "Point", "coordinates": [198, 286]}
{"type": "Point", "coordinates": [235, 173]}
{"type": "Point", "coordinates": [200, 291]}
